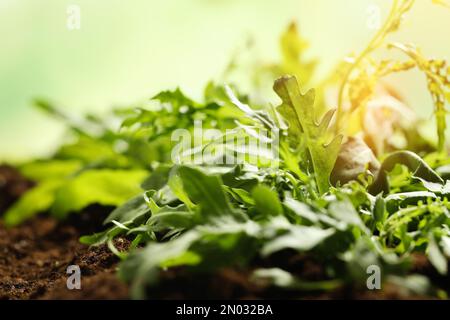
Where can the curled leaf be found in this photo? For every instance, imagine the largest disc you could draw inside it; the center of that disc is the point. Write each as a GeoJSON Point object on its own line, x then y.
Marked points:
{"type": "Point", "coordinates": [415, 163]}
{"type": "Point", "coordinates": [354, 158]}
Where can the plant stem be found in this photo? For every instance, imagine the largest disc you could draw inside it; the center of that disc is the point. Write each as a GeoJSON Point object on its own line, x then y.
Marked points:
{"type": "Point", "coordinates": [373, 44]}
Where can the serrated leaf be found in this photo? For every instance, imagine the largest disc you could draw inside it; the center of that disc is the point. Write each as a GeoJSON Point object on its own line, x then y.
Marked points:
{"type": "Point", "coordinates": [298, 109]}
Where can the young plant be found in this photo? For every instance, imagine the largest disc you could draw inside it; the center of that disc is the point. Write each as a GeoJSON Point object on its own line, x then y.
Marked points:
{"type": "Point", "coordinates": [299, 110]}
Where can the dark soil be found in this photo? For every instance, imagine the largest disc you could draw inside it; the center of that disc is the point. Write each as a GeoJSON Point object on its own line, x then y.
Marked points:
{"type": "Point", "coordinates": [12, 186]}
{"type": "Point", "coordinates": [34, 258]}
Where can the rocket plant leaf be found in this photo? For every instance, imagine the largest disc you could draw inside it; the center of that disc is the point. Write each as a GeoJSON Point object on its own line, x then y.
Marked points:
{"type": "Point", "coordinates": [298, 109]}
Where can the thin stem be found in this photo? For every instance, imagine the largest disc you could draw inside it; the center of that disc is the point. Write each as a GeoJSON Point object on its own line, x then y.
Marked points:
{"type": "Point", "coordinates": [439, 111]}
{"type": "Point", "coordinates": [373, 44]}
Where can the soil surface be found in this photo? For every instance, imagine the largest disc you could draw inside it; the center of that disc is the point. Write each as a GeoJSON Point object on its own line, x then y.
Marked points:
{"type": "Point", "coordinates": [12, 186]}
{"type": "Point", "coordinates": [34, 258]}
{"type": "Point", "coordinates": [35, 255]}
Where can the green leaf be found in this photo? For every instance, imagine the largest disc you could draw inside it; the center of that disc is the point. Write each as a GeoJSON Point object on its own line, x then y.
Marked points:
{"type": "Point", "coordinates": [394, 201]}
{"type": "Point", "coordinates": [105, 187]}
{"type": "Point", "coordinates": [300, 238]}
{"type": "Point", "coordinates": [445, 242]}
{"type": "Point", "coordinates": [240, 195]}
{"type": "Point", "coordinates": [283, 279]}
{"type": "Point", "coordinates": [175, 98]}
{"type": "Point", "coordinates": [51, 169]}
{"type": "Point", "coordinates": [206, 191]}
{"type": "Point", "coordinates": [141, 267]}
{"type": "Point", "coordinates": [38, 199]}
{"type": "Point", "coordinates": [130, 210]}
{"type": "Point", "coordinates": [435, 255]}
{"type": "Point", "coordinates": [344, 211]}
{"type": "Point", "coordinates": [157, 179]}
{"type": "Point", "coordinates": [94, 239]}
{"type": "Point", "coordinates": [103, 236]}
{"type": "Point", "coordinates": [379, 210]}
{"type": "Point", "coordinates": [92, 151]}
{"type": "Point", "coordinates": [257, 116]}
{"type": "Point", "coordinates": [293, 49]}
{"type": "Point", "coordinates": [409, 159]}
{"type": "Point", "coordinates": [172, 219]}
{"type": "Point", "coordinates": [223, 241]}
{"type": "Point", "coordinates": [266, 200]}
{"type": "Point", "coordinates": [186, 259]}
{"type": "Point", "coordinates": [176, 185]}
{"type": "Point", "coordinates": [302, 210]}
{"type": "Point", "coordinates": [298, 109]}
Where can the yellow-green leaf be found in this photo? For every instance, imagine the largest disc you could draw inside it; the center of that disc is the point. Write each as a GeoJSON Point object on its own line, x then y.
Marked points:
{"type": "Point", "coordinates": [298, 109]}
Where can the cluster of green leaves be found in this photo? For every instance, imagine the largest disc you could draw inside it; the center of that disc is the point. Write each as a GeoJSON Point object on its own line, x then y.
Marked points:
{"type": "Point", "coordinates": [106, 159]}
{"type": "Point", "coordinates": [207, 217]}
{"type": "Point", "coordinates": [204, 217]}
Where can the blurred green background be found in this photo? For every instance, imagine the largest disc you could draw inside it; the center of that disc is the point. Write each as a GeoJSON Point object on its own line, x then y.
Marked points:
{"type": "Point", "coordinates": [126, 51]}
